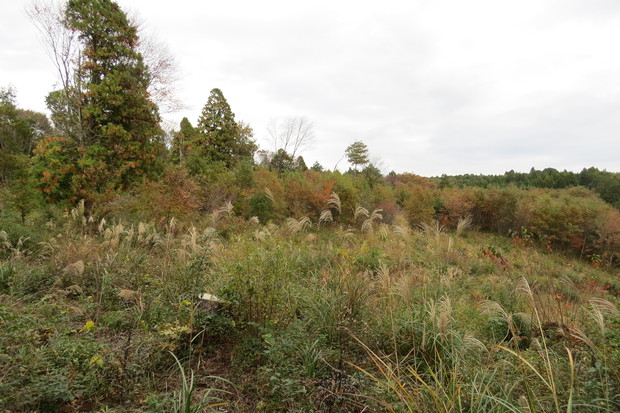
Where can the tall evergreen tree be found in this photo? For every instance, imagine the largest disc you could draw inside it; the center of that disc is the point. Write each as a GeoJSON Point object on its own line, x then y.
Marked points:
{"type": "Point", "coordinates": [282, 162]}
{"type": "Point", "coordinates": [121, 132]}
{"type": "Point", "coordinates": [220, 137]}
{"type": "Point", "coordinates": [182, 140]}
{"type": "Point", "coordinates": [316, 166]}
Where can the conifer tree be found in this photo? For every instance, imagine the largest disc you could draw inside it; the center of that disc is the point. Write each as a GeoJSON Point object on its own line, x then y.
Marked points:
{"type": "Point", "coordinates": [220, 138]}
{"type": "Point", "coordinates": [120, 123]}
{"type": "Point", "coordinates": [316, 166]}
{"type": "Point", "coordinates": [282, 162]}
{"type": "Point", "coordinates": [357, 154]}
{"type": "Point", "coordinates": [182, 141]}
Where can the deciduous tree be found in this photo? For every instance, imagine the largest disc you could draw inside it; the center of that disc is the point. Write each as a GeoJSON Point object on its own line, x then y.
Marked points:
{"type": "Point", "coordinates": [293, 135]}
{"type": "Point", "coordinates": [62, 45]}
{"type": "Point", "coordinates": [19, 129]}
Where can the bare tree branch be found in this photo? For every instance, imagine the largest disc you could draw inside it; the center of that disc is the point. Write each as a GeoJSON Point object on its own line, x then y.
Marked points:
{"type": "Point", "coordinates": [63, 47]}
{"type": "Point", "coordinates": [162, 67]}
{"type": "Point", "coordinates": [294, 134]}
{"type": "Point", "coordinates": [61, 44]}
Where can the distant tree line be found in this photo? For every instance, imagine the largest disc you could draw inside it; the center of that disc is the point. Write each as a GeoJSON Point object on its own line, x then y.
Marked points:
{"type": "Point", "coordinates": [606, 184]}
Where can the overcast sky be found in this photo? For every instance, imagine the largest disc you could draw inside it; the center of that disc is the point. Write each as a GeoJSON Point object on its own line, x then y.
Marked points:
{"type": "Point", "coordinates": [431, 86]}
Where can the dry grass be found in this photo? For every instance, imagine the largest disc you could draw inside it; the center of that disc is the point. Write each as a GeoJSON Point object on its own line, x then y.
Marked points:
{"type": "Point", "coordinates": [295, 226]}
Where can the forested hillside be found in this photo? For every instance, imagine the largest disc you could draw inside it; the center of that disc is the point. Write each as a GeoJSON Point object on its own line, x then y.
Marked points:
{"type": "Point", "coordinates": [191, 270]}
{"type": "Point", "coordinates": [604, 183]}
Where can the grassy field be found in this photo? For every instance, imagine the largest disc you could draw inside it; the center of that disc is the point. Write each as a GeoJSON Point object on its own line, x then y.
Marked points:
{"type": "Point", "coordinates": [104, 315]}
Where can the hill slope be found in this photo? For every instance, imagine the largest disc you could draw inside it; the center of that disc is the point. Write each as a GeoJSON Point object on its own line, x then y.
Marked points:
{"type": "Point", "coordinates": [325, 318]}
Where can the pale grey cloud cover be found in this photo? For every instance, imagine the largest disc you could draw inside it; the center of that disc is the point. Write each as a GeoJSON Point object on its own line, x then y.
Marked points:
{"type": "Point", "coordinates": [432, 87]}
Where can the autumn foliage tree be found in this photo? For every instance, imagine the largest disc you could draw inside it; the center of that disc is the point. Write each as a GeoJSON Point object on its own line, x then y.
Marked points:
{"type": "Point", "coordinates": [119, 137]}
{"type": "Point", "coordinates": [174, 195]}
{"type": "Point", "coordinates": [55, 165]}
{"type": "Point", "coordinates": [121, 123]}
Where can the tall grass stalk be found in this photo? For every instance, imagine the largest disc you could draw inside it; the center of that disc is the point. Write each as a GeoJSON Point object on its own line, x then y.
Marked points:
{"type": "Point", "coordinates": [523, 287]}
{"type": "Point", "coordinates": [184, 401]}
